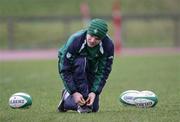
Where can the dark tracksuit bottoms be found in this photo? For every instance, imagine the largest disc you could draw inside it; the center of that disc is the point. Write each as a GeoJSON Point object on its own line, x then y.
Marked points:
{"type": "Point", "coordinates": [82, 77]}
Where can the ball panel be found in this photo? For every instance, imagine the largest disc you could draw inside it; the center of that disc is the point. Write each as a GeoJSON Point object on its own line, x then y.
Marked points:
{"type": "Point", "coordinates": [17, 101]}
{"type": "Point", "coordinates": [145, 101]}
{"type": "Point", "coordinates": [148, 93]}
{"type": "Point", "coordinates": [130, 91]}
{"type": "Point", "coordinates": [21, 94]}
{"type": "Point", "coordinates": [28, 103]}
{"type": "Point", "coordinates": [127, 97]}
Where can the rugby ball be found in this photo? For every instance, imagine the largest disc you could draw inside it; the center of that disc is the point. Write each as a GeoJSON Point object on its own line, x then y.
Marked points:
{"type": "Point", "coordinates": [20, 100]}
{"type": "Point", "coordinates": [146, 99]}
{"type": "Point", "coordinates": [127, 97]}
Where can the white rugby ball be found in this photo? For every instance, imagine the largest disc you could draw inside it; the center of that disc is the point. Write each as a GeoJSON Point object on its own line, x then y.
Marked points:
{"type": "Point", "coordinates": [20, 100]}
{"type": "Point", "coordinates": [146, 99]}
{"type": "Point", "coordinates": [128, 96]}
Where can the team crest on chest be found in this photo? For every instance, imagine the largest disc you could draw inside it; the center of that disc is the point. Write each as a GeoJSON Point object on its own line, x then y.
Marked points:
{"type": "Point", "coordinates": [68, 55]}
{"type": "Point", "coordinates": [97, 55]}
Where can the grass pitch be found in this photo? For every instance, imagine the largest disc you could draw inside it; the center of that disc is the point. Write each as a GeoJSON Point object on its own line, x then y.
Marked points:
{"type": "Point", "coordinates": [40, 79]}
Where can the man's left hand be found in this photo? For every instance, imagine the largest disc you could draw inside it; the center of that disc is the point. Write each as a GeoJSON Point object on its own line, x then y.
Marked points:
{"type": "Point", "coordinates": [90, 99]}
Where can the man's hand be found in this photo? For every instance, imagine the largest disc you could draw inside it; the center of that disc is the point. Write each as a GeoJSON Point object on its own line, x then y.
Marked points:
{"type": "Point", "coordinates": [90, 99]}
{"type": "Point", "coordinates": [78, 98]}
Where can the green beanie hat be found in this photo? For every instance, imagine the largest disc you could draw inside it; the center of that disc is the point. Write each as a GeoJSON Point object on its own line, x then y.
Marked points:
{"type": "Point", "coordinates": [97, 27]}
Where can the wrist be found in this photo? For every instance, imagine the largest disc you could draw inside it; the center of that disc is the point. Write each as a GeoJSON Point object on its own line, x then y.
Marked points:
{"type": "Point", "coordinates": [75, 93]}
{"type": "Point", "coordinates": [92, 94]}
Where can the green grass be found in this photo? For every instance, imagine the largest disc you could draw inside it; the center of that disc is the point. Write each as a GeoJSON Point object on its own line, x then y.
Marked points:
{"type": "Point", "coordinates": [40, 79]}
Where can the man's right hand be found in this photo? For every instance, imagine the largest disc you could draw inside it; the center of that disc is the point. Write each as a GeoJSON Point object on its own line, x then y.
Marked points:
{"type": "Point", "coordinates": [78, 98]}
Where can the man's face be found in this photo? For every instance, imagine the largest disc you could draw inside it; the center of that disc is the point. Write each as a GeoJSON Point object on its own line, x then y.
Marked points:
{"type": "Point", "coordinates": [92, 41]}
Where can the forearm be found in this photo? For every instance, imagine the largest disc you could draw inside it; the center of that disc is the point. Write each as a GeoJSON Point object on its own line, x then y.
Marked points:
{"type": "Point", "coordinates": [66, 75]}
{"type": "Point", "coordinates": [104, 69]}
